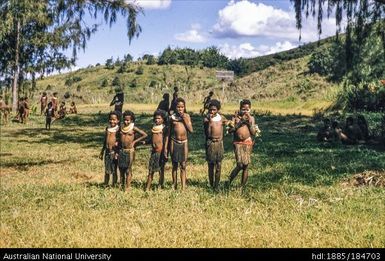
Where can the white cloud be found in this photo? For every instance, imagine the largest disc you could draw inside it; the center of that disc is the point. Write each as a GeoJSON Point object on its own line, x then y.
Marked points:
{"type": "Point", "coordinates": [244, 18]}
{"type": "Point", "coordinates": [152, 4]}
{"type": "Point", "coordinates": [193, 35]}
{"type": "Point", "coordinates": [247, 50]}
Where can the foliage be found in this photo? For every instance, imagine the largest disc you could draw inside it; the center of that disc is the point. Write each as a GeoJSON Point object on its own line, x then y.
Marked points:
{"type": "Point", "coordinates": [110, 63]}
{"type": "Point", "coordinates": [364, 96]}
{"type": "Point", "coordinates": [139, 70]}
{"type": "Point", "coordinates": [35, 34]}
{"type": "Point", "coordinates": [104, 83]}
{"type": "Point", "coordinates": [116, 81]}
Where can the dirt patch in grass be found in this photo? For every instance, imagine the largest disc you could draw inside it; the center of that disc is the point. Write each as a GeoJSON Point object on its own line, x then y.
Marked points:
{"type": "Point", "coordinates": [367, 178]}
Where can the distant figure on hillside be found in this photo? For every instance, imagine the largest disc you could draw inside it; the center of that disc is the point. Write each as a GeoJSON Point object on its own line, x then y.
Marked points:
{"type": "Point", "coordinates": [173, 102]}
{"type": "Point", "coordinates": [127, 142]}
{"type": "Point", "coordinates": [159, 141]}
{"type": "Point", "coordinates": [73, 109]}
{"type": "Point", "coordinates": [25, 114]}
{"type": "Point", "coordinates": [110, 149]}
{"type": "Point", "coordinates": [325, 132]}
{"type": "Point", "coordinates": [164, 104]}
{"type": "Point", "coordinates": [20, 110]}
{"type": "Point", "coordinates": [244, 128]}
{"type": "Point", "coordinates": [213, 126]}
{"type": "Point", "coordinates": [5, 110]}
{"type": "Point", "coordinates": [62, 110]}
{"type": "Point", "coordinates": [180, 126]}
{"type": "Point", "coordinates": [55, 102]}
{"type": "Point", "coordinates": [206, 103]}
{"type": "Point", "coordinates": [118, 102]}
{"type": "Point", "coordinates": [49, 114]}
{"type": "Point", "coordinates": [43, 102]}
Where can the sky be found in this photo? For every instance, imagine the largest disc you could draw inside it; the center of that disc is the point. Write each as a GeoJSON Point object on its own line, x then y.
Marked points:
{"type": "Point", "coordinates": [243, 28]}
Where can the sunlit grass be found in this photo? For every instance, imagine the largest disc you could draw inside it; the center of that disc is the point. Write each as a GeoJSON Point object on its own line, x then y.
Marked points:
{"type": "Point", "coordinates": [52, 194]}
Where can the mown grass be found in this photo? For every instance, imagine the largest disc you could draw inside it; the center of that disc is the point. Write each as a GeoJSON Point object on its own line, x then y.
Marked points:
{"type": "Point", "coordinates": [296, 195]}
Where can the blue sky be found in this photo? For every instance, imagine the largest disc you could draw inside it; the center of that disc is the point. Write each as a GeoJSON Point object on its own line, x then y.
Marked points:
{"type": "Point", "coordinates": [244, 28]}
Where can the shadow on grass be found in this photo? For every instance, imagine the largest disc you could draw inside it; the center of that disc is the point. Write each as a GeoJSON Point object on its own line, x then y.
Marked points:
{"type": "Point", "coordinates": [286, 153]}
{"type": "Point", "coordinates": [26, 165]}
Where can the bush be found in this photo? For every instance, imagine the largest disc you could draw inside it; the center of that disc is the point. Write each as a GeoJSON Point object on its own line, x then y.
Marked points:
{"type": "Point", "coordinates": [134, 83]}
{"type": "Point", "coordinates": [153, 83]}
{"type": "Point", "coordinates": [365, 96]}
{"type": "Point", "coordinates": [78, 88]}
{"type": "Point", "coordinates": [116, 81]}
{"type": "Point", "coordinates": [49, 87]}
{"type": "Point", "coordinates": [67, 95]}
{"type": "Point", "coordinates": [140, 70]}
{"type": "Point", "coordinates": [104, 83]}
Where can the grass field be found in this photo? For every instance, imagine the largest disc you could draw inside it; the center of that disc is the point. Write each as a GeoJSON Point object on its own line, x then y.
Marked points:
{"type": "Point", "coordinates": [299, 193]}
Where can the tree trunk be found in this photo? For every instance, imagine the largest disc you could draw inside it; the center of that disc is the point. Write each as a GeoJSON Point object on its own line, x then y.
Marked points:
{"type": "Point", "coordinates": [16, 68]}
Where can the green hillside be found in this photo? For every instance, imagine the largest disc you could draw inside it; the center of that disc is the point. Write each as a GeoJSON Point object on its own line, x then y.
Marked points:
{"type": "Point", "coordinates": [287, 80]}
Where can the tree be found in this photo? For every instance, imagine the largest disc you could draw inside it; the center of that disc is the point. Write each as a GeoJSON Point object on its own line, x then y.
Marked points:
{"type": "Point", "coordinates": [34, 34]}
{"type": "Point", "coordinates": [363, 17]}
{"type": "Point", "coordinates": [211, 58]}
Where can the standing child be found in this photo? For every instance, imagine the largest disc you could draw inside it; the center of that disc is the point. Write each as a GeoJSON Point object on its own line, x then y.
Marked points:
{"type": "Point", "coordinates": [110, 149]}
{"type": "Point", "coordinates": [55, 102]}
{"type": "Point", "coordinates": [159, 141]}
{"type": "Point", "coordinates": [244, 128]}
{"type": "Point", "coordinates": [213, 126]}
{"type": "Point", "coordinates": [43, 102]}
{"type": "Point", "coordinates": [49, 114]}
{"type": "Point", "coordinates": [25, 115]}
{"type": "Point", "coordinates": [180, 125]}
{"type": "Point", "coordinates": [127, 147]}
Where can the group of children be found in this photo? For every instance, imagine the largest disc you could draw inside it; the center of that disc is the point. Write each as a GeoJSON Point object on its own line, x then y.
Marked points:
{"type": "Point", "coordinates": [355, 131]}
{"type": "Point", "coordinates": [52, 110]}
{"type": "Point", "coordinates": [169, 138]}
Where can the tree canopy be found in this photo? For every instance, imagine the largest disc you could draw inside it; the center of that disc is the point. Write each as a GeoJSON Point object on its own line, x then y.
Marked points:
{"type": "Point", "coordinates": [35, 34]}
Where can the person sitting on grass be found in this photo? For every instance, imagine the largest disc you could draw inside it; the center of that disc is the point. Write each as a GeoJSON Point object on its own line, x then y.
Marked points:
{"type": "Point", "coordinates": [62, 110]}
{"type": "Point", "coordinates": [73, 109]}
{"type": "Point", "coordinates": [325, 132]}
{"type": "Point", "coordinates": [159, 141]}
{"type": "Point", "coordinates": [127, 142]}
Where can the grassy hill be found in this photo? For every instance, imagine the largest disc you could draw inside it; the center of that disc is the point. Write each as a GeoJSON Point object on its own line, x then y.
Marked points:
{"type": "Point", "coordinates": [286, 81]}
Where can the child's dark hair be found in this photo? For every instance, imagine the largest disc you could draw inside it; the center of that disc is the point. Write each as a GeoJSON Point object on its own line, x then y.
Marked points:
{"type": "Point", "coordinates": [211, 92]}
{"type": "Point", "coordinates": [178, 100]}
{"type": "Point", "coordinates": [176, 89]}
{"type": "Point", "coordinates": [245, 102]}
{"type": "Point", "coordinates": [129, 113]}
{"type": "Point", "coordinates": [116, 113]}
{"type": "Point", "coordinates": [160, 113]}
{"type": "Point", "coordinates": [215, 103]}
{"type": "Point", "coordinates": [49, 104]}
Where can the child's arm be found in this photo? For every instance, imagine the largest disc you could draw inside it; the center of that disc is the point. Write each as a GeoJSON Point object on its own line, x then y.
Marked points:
{"type": "Point", "coordinates": [143, 135]}
{"type": "Point", "coordinates": [104, 145]}
{"type": "Point", "coordinates": [167, 134]}
{"type": "Point", "coordinates": [187, 122]}
{"type": "Point", "coordinates": [251, 125]}
{"type": "Point", "coordinates": [206, 122]}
